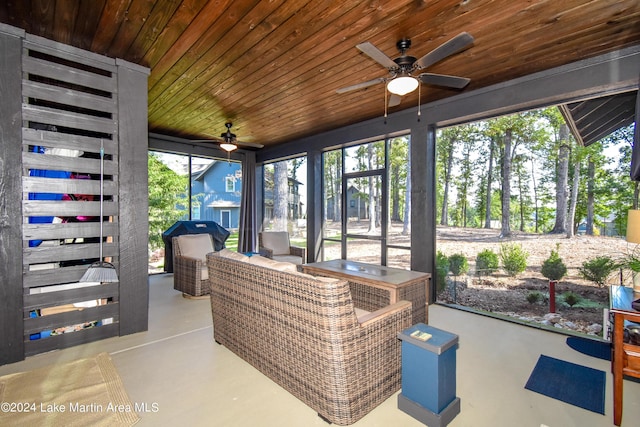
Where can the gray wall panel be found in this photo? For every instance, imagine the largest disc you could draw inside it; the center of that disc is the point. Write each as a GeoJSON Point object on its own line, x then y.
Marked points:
{"type": "Point", "coordinates": [133, 198]}
{"type": "Point", "coordinates": [11, 324]}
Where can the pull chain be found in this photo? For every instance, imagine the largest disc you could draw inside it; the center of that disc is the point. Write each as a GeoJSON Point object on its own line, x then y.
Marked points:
{"type": "Point", "coordinates": [385, 104]}
{"type": "Point", "coordinates": [419, 92]}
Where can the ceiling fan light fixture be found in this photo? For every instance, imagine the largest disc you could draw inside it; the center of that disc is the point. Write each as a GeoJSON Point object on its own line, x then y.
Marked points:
{"type": "Point", "coordinates": [228, 146]}
{"type": "Point", "coordinates": [402, 85]}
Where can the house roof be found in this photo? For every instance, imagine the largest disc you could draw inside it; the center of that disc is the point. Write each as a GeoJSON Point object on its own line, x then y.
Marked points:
{"type": "Point", "coordinates": [273, 67]}
{"type": "Point", "coordinates": [214, 164]}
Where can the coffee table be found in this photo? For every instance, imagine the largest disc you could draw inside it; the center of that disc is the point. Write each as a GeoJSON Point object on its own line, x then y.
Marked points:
{"type": "Point", "coordinates": [376, 286]}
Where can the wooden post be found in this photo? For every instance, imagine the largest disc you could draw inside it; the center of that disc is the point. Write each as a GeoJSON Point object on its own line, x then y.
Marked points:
{"type": "Point", "coordinates": [11, 315]}
{"type": "Point", "coordinates": [552, 296]}
{"type": "Point", "coordinates": [133, 198]}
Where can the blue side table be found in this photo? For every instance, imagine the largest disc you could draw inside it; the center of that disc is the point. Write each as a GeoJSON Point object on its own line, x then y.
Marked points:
{"type": "Point", "coordinates": [429, 375]}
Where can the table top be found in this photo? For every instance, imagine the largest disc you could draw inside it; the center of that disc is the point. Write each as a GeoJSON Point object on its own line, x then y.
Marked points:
{"type": "Point", "coordinates": [367, 272]}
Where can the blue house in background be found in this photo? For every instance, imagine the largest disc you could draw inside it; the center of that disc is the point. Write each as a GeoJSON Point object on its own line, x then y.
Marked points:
{"type": "Point", "coordinates": [217, 191]}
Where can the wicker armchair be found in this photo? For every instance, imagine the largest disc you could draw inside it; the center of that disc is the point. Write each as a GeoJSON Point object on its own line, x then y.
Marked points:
{"type": "Point", "coordinates": [276, 245]}
{"type": "Point", "coordinates": [305, 335]}
{"type": "Point", "coordinates": [190, 275]}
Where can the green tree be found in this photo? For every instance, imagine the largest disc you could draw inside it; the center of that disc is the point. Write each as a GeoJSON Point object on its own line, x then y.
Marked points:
{"type": "Point", "coordinates": [467, 167]}
{"type": "Point", "coordinates": [398, 162]}
{"type": "Point", "coordinates": [514, 258]}
{"type": "Point", "coordinates": [445, 151]}
{"type": "Point", "coordinates": [167, 199]}
{"type": "Point", "coordinates": [510, 133]}
{"type": "Point", "coordinates": [333, 180]}
{"type": "Point", "coordinates": [406, 224]}
{"type": "Point", "coordinates": [553, 268]}
{"type": "Point", "coordinates": [623, 193]}
{"type": "Point", "coordinates": [280, 196]}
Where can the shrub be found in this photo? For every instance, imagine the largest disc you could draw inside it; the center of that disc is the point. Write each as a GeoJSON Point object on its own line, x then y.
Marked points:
{"type": "Point", "coordinates": [514, 258]}
{"type": "Point", "coordinates": [571, 299]}
{"type": "Point", "coordinates": [458, 264]}
{"type": "Point", "coordinates": [534, 297]}
{"type": "Point", "coordinates": [598, 269]}
{"type": "Point", "coordinates": [553, 268]}
{"type": "Point", "coordinates": [487, 262]}
{"type": "Point", "coordinates": [442, 268]}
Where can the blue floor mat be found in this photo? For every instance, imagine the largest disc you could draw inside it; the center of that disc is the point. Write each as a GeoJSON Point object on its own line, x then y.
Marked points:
{"type": "Point", "coordinates": [593, 348]}
{"type": "Point", "coordinates": [571, 383]}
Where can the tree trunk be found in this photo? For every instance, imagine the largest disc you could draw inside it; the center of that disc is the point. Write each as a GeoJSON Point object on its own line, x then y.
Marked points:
{"type": "Point", "coordinates": [372, 198]}
{"type": "Point", "coordinates": [590, 196]}
{"type": "Point", "coordinates": [535, 193]}
{"type": "Point", "coordinates": [337, 193]}
{"type": "Point", "coordinates": [406, 226]}
{"type": "Point", "coordinates": [445, 194]}
{"type": "Point", "coordinates": [574, 199]}
{"type": "Point", "coordinates": [395, 194]}
{"type": "Point", "coordinates": [280, 196]}
{"type": "Point", "coordinates": [506, 185]}
{"type": "Point", "coordinates": [487, 209]}
{"type": "Point", "coordinates": [562, 181]}
{"type": "Point", "coordinates": [521, 200]}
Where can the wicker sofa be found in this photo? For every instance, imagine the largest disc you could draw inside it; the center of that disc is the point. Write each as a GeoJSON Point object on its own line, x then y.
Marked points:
{"type": "Point", "coordinates": [305, 335]}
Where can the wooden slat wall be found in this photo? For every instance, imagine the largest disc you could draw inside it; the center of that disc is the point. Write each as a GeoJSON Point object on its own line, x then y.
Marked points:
{"type": "Point", "coordinates": [69, 108]}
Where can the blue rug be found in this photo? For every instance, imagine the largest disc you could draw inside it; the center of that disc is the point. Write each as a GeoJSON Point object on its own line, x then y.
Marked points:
{"type": "Point", "coordinates": [574, 384]}
{"type": "Point", "coordinates": [593, 348]}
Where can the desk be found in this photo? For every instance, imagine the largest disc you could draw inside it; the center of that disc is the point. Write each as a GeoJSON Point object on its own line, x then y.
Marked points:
{"type": "Point", "coordinates": [626, 356]}
{"type": "Point", "coordinates": [381, 285]}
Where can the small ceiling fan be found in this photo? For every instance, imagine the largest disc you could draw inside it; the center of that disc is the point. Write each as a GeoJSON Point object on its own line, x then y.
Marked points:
{"type": "Point", "coordinates": [402, 81]}
{"type": "Point", "coordinates": [228, 141]}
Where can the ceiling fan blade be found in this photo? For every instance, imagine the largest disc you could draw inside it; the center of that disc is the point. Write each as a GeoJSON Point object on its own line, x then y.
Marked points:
{"type": "Point", "coordinates": [456, 44]}
{"type": "Point", "coordinates": [210, 140]}
{"type": "Point", "coordinates": [214, 140]}
{"type": "Point", "coordinates": [394, 100]}
{"type": "Point", "coordinates": [444, 80]}
{"type": "Point", "coordinates": [377, 55]}
{"type": "Point", "coordinates": [249, 144]}
{"type": "Point", "coordinates": [361, 85]}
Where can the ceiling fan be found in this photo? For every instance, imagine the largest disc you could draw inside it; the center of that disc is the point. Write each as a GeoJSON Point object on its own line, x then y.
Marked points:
{"type": "Point", "coordinates": [228, 141]}
{"type": "Point", "coordinates": [402, 81]}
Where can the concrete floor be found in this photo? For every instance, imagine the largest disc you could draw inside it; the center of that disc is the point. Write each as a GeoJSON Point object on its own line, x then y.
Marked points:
{"type": "Point", "coordinates": [186, 379]}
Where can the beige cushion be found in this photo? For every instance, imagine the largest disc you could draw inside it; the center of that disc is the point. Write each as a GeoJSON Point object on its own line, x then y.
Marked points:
{"type": "Point", "coordinates": [226, 253]}
{"type": "Point", "coordinates": [269, 263]}
{"type": "Point", "coordinates": [204, 273]}
{"type": "Point", "coordinates": [293, 259]}
{"type": "Point", "coordinates": [195, 245]}
{"type": "Point", "coordinates": [277, 241]}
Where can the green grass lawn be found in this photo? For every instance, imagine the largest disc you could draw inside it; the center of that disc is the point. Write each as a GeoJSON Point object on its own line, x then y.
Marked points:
{"type": "Point", "coordinates": [232, 241]}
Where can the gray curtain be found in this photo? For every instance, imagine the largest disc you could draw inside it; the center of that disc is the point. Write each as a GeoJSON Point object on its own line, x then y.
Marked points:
{"type": "Point", "coordinates": [247, 240]}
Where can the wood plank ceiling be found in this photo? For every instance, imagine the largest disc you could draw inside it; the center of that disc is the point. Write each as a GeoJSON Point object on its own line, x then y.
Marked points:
{"type": "Point", "coordinates": [273, 67]}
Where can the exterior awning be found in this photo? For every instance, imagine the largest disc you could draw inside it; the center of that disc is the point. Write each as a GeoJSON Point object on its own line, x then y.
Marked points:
{"type": "Point", "coordinates": [594, 119]}
{"type": "Point", "coordinates": [223, 204]}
